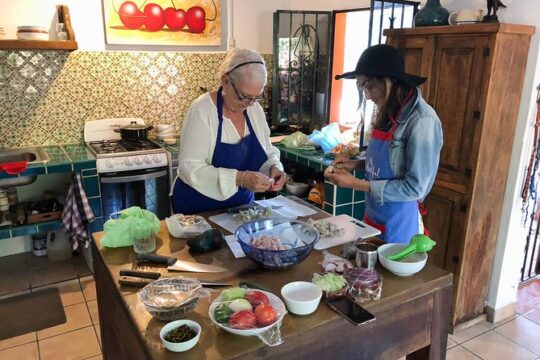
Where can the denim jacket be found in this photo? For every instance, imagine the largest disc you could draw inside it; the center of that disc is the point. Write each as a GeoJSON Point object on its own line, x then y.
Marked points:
{"type": "Point", "coordinates": [414, 154]}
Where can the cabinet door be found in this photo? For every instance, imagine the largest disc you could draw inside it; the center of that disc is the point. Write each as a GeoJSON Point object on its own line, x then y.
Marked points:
{"type": "Point", "coordinates": [455, 91]}
{"type": "Point", "coordinates": [445, 221]}
{"type": "Point", "coordinates": [418, 54]}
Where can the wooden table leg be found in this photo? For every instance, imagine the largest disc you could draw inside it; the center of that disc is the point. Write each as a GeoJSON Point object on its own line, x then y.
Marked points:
{"type": "Point", "coordinates": [442, 302]}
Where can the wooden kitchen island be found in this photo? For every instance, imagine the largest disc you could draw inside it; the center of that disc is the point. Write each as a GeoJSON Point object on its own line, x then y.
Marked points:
{"type": "Point", "coordinates": [411, 316]}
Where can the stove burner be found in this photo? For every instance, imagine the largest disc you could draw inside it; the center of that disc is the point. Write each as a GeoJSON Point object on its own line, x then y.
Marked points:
{"type": "Point", "coordinates": [120, 146]}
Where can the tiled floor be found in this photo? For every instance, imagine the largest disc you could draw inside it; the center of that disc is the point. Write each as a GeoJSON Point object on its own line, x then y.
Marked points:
{"type": "Point", "coordinates": [515, 338]}
{"type": "Point", "coordinates": [77, 338]}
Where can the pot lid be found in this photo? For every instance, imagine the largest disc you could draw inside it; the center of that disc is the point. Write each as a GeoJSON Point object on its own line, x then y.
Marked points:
{"type": "Point", "coordinates": [134, 126]}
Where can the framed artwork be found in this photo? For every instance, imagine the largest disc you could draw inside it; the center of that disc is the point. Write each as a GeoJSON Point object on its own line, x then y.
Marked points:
{"type": "Point", "coordinates": [163, 22]}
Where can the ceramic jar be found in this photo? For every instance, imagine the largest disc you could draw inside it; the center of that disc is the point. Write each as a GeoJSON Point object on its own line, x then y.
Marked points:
{"type": "Point", "coordinates": [432, 14]}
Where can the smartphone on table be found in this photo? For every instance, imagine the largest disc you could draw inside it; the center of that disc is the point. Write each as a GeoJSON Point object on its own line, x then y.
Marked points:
{"type": "Point", "coordinates": [351, 311]}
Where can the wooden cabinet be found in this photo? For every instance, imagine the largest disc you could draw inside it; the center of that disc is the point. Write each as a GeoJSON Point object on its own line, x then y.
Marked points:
{"type": "Point", "coordinates": [475, 77]}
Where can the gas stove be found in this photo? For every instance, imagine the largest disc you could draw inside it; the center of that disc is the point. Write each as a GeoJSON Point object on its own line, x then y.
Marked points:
{"type": "Point", "coordinates": [114, 154]}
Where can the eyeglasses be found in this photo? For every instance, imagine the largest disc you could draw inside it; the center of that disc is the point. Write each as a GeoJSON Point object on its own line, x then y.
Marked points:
{"type": "Point", "coordinates": [243, 98]}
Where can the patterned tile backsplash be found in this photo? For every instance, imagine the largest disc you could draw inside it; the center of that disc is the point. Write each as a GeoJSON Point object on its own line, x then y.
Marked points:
{"type": "Point", "coordinates": [47, 96]}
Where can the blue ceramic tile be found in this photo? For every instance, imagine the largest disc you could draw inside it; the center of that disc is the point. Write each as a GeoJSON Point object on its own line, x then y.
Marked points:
{"type": "Point", "coordinates": [79, 166]}
{"type": "Point", "coordinates": [359, 195]}
{"type": "Point", "coordinates": [95, 204]}
{"type": "Point", "coordinates": [344, 210]}
{"type": "Point", "coordinates": [23, 230]}
{"type": "Point", "coordinates": [344, 196]}
{"type": "Point", "coordinates": [360, 174]}
{"type": "Point", "coordinates": [96, 225]}
{"type": "Point", "coordinates": [91, 186]}
{"type": "Point", "coordinates": [315, 165]}
{"type": "Point", "coordinates": [5, 234]}
{"type": "Point", "coordinates": [59, 168]}
{"type": "Point", "coordinates": [89, 172]}
{"type": "Point", "coordinates": [328, 208]}
{"type": "Point", "coordinates": [49, 226]}
{"type": "Point", "coordinates": [358, 210]}
{"type": "Point", "coordinates": [329, 192]}
{"type": "Point", "coordinates": [303, 160]}
{"type": "Point", "coordinates": [35, 170]}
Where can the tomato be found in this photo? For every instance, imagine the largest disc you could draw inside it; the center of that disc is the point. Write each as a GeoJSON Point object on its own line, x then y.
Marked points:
{"type": "Point", "coordinates": [175, 19]}
{"type": "Point", "coordinates": [130, 15]}
{"type": "Point", "coordinates": [155, 19]}
{"type": "Point", "coordinates": [243, 320]}
{"type": "Point", "coordinates": [256, 297]}
{"type": "Point", "coordinates": [265, 314]}
{"type": "Point", "coordinates": [195, 19]}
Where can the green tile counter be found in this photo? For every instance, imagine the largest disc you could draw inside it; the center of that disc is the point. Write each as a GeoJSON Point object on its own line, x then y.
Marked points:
{"type": "Point", "coordinates": [63, 159]}
{"type": "Point", "coordinates": [337, 201]}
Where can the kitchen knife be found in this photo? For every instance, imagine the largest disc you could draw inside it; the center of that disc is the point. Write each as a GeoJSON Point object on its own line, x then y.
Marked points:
{"type": "Point", "coordinates": [137, 278]}
{"type": "Point", "coordinates": [180, 265]}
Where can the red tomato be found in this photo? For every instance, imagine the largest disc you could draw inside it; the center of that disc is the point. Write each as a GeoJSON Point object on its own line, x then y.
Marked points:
{"type": "Point", "coordinates": [175, 19]}
{"type": "Point", "coordinates": [195, 19]}
{"type": "Point", "coordinates": [243, 320]}
{"type": "Point", "coordinates": [256, 297]}
{"type": "Point", "coordinates": [265, 314]}
{"type": "Point", "coordinates": [155, 19]}
{"type": "Point", "coordinates": [130, 15]}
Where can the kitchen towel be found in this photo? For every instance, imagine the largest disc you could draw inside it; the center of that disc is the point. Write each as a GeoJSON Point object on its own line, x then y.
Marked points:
{"type": "Point", "coordinates": [77, 214]}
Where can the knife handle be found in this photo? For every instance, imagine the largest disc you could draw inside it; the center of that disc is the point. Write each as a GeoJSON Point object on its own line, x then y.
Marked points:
{"type": "Point", "coordinates": [140, 274]}
{"type": "Point", "coordinates": [158, 259]}
{"type": "Point", "coordinates": [134, 283]}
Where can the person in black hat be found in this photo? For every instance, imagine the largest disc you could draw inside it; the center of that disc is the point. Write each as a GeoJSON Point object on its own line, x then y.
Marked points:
{"type": "Point", "coordinates": [403, 153]}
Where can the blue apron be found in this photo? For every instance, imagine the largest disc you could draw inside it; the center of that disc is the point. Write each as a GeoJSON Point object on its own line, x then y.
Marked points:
{"type": "Point", "coordinates": [397, 221]}
{"type": "Point", "coordinates": [247, 154]}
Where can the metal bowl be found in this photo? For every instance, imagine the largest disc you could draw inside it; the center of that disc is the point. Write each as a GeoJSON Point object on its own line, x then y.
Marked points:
{"type": "Point", "coordinates": [171, 298]}
{"type": "Point", "coordinates": [296, 239]}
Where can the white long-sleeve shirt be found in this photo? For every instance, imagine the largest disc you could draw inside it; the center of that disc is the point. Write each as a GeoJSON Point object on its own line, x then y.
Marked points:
{"type": "Point", "coordinates": [198, 141]}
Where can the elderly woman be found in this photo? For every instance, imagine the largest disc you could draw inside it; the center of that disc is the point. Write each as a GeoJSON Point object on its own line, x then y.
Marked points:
{"type": "Point", "coordinates": [225, 151]}
{"type": "Point", "coordinates": [403, 153]}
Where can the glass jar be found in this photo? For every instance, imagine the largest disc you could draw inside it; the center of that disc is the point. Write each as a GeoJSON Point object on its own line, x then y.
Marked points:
{"type": "Point", "coordinates": [144, 244]}
{"type": "Point", "coordinates": [13, 196]}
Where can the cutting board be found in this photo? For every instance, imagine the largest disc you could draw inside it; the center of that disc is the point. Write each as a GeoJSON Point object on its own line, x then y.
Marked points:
{"type": "Point", "coordinates": [226, 221]}
{"type": "Point", "coordinates": [354, 229]}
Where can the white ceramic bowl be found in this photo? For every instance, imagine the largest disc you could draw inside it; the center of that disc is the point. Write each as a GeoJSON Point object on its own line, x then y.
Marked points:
{"type": "Point", "coordinates": [169, 141]}
{"type": "Point", "coordinates": [164, 127]}
{"type": "Point", "coordinates": [165, 135]}
{"type": "Point", "coordinates": [296, 188]}
{"type": "Point", "coordinates": [183, 346]}
{"type": "Point", "coordinates": [410, 265]}
{"type": "Point", "coordinates": [301, 297]}
{"type": "Point", "coordinates": [276, 303]}
{"type": "Point", "coordinates": [32, 36]}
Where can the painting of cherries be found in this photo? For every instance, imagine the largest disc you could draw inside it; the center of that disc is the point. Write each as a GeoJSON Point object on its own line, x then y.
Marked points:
{"type": "Point", "coordinates": [163, 18]}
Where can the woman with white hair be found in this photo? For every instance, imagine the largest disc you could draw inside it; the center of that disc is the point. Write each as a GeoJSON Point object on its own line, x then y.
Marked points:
{"type": "Point", "coordinates": [225, 151]}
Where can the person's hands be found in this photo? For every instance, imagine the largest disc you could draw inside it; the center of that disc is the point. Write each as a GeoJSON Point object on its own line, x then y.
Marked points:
{"type": "Point", "coordinates": [343, 162]}
{"type": "Point", "coordinates": [340, 177]}
{"type": "Point", "coordinates": [279, 179]}
{"type": "Point", "coordinates": [255, 181]}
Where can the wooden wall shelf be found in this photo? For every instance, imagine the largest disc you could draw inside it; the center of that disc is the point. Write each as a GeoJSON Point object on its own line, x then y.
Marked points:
{"type": "Point", "coordinates": [39, 44]}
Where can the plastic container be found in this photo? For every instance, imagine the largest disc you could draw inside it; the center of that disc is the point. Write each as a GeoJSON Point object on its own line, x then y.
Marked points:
{"type": "Point", "coordinates": [58, 246]}
{"type": "Point", "coordinates": [39, 244]}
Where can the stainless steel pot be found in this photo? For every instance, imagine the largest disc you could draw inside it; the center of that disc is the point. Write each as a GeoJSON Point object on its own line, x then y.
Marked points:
{"type": "Point", "coordinates": [133, 131]}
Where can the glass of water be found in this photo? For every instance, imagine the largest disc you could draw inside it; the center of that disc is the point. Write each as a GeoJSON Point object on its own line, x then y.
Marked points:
{"type": "Point", "coordinates": [144, 244]}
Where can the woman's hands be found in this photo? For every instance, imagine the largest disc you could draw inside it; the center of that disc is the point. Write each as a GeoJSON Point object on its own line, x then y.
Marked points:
{"type": "Point", "coordinates": [279, 178]}
{"type": "Point", "coordinates": [342, 162]}
{"type": "Point", "coordinates": [253, 181]}
{"type": "Point", "coordinates": [343, 178]}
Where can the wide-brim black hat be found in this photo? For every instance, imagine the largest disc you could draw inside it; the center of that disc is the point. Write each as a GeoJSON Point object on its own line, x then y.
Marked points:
{"type": "Point", "coordinates": [383, 60]}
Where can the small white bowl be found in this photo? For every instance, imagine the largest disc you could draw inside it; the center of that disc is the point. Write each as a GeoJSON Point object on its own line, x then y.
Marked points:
{"type": "Point", "coordinates": [164, 127]}
{"type": "Point", "coordinates": [410, 265]}
{"type": "Point", "coordinates": [296, 188]}
{"type": "Point", "coordinates": [167, 135]}
{"type": "Point", "coordinates": [183, 346]}
{"type": "Point", "coordinates": [301, 297]}
{"type": "Point", "coordinates": [169, 141]}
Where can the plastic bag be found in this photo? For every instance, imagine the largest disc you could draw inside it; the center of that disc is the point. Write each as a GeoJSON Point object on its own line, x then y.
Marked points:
{"type": "Point", "coordinates": [133, 223]}
{"type": "Point", "coordinates": [270, 335]}
{"type": "Point", "coordinates": [186, 226]}
{"type": "Point", "coordinates": [364, 284]}
{"type": "Point", "coordinates": [297, 140]}
{"type": "Point", "coordinates": [327, 138]}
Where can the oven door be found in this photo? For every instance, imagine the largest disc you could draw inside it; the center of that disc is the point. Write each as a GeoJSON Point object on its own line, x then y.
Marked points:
{"type": "Point", "coordinates": [147, 189]}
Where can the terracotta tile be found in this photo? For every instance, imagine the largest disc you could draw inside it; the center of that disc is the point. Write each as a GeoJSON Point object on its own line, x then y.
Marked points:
{"type": "Point", "coordinates": [524, 308]}
{"type": "Point", "coordinates": [18, 340]}
{"type": "Point", "coordinates": [98, 333]}
{"type": "Point", "coordinates": [494, 346]}
{"type": "Point", "coordinates": [54, 272]}
{"type": "Point", "coordinates": [70, 291]}
{"type": "Point", "coordinates": [534, 315]}
{"type": "Point", "coordinates": [97, 357]}
{"type": "Point", "coordinates": [77, 317]}
{"type": "Point", "coordinates": [78, 344]}
{"type": "Point", "coordinates": [23, 352]}
{"type": "Point", "coordinates": [81, 266]}
{"type": "Point", "coordinates": [524, 332]}
{"type": "Point", "coordinates": [451, 343]}
{"type": "Point", "coordinates": [469, 333]}
{"type": "Point", "coordinates": [460, 353]}
{"type": "Point", "coordinates": [89, 288]}
{"type": "Point", "coordinates": [93, 309]}
{"type": "Point", "coordinates": [14, 263]}
{"type": "Point", "coordinates": [14, 282]}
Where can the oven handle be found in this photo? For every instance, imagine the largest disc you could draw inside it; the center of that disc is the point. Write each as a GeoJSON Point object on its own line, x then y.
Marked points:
{"type": "Point", "coordinates": [124, 179]}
